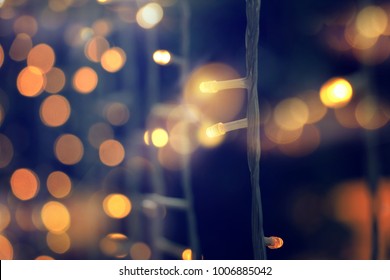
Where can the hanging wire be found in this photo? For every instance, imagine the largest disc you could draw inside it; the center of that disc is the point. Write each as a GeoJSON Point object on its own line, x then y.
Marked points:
{"type": "Point", "coordinates": [253, 132]}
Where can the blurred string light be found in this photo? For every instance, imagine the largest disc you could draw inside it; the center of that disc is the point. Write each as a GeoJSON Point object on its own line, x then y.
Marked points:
{"type": "Point", "coordinates": [273, 242]}
{"type": "Point", "coordinates": [117, 206]}
{"type": "Point", "coordinates": [6, 248]}
{"type": "Point", "coordinates": [112, 60]}
{"type": "Point", "coordinates": [59, 184]}
{"type": "Point", "coordinates": [187, 255]}
{"type": "Point", "coordinates": [24, 184]}
{"type": "Point", "coordinates": [58, 242]}
{"type": "Point", "coordinates": [159, 137]}
{"type": "Point", "coordinates": [20, 47]}
{"type": "Point", "coordinates": [162, 57]}
{"type": "Point", "coordinates": [85, 80]}
{"type": "Point", "coordinates": [140, 251]}
{"type": "Point", "coordinates": [149, 15]}
{"type": "Point", "coordinates": [111, 152]}
{"type": "Point", "coordinates": [5, 217]}
{"type": "Point", "coordinates": [7, 150]}
{"type": "Point", "coordinates": [55, 217]}
{"type": "Point", "coordinates": [336, 92]}
{"type": "Point", "coordinates": [55, 111]}
{"type": "Point", "coordinates": [68, 149]}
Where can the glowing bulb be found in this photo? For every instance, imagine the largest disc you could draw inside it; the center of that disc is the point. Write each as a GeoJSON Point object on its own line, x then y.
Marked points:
{"type": "Point", "coordinates": [273, 242]}
{"type": "Point", "coordinates": [221, 128]}
{"type": "Point", "coordinates": [215, 86]}
{"type": "Point", "coordinates": [336, 93]}
{"type": "Point", "coordinates": [162, 57]}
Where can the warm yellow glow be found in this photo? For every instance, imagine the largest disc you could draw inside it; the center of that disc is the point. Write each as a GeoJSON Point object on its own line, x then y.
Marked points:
{"type": "Point", "coordinates": [140, 251]}
{"type": "Point", "coordinates": [55, 110]}
{"type": "Point", "coordinates": [95, 48]}
{"type": "Point", "coordinates": [370, 114]}
{"type": "Point", "coordinates": [98, 133]}
{"type": "Point", "coordinates": [116, 113]}
{"type": "Point", "coordinates": [317, 110]}
{"type": "Point", "coordinates": [41, 56]}
{"type": "Point", "coordinates": [6, 248]}
{"type": "Point", "coordinates": [59, 184]}
{"type": "Point", "coordinates": [183, 138]}
{"type": "Point", "coordinates": [169, 158]}
{"type": "Point", "coordinates": [58, 242]}
{"type": "Point", "coordinates": [215, 86]}
{"type": "Point", "coordinates": [279, 135]}
{"type": "Point", "coordinates": [273, 242]}
{"type": "Point", "coordinates": [44, 258]}
{"type": "Point", "coordinates": [162, 57]}
{"type": "Point", "coordinates": [149, 15]}
{"type": "Point", "coordinates": [5, 217]}
{"type": "Point", "coordinates": [114, 244]}
{"type": "Point", "coordinates": [357, 40]}
{"type": "Point", "coordinates": [146, 137]}
{"type": "Point", "coordinates": [112, 60]}
{"type": "Point", "coordinates": [209, 87]}
{"type": "Point", "coordinates": [26, 24]}
{"type": "Point", "coordinates": [291, 113]}
{"type": "Point", "coordinates": [21, 46]}
{"type": "Point", "coordinates": [117, 206]}
{"type": "Point", "coordinates": [346, 116]}
{"type": "Point", "coordinates": [187, 255]}
{"type": "Point", "coordinates": [371, 21]}
{"type": "Point", "coordinates": [31, 81]}
{"type": "Point", "coordinates": [55, 80]}
{"type": "Point", "coordinates": [102, 27]}
{"type": "Point", "coordinates": [205, 140]}
{"type": "Point", "coordinates": [111, 152]}
{"type": "Point", "coordinates": [60, 5]}
{"type": "Point", "coordinates": [68, 149]}
{"type": "Point", "coordinates": [24, 184]}
{"type": "Point", "coordinates": [215, 130]}
{"type": "Point", "coordinates": [336, 93]}
{"type": "Point", "coordinates": [220, 107]}
{"type": "Point", "coordinates": [85, 80]}
{"type": "Point", "coordinates": [7, 150]}
{"type": "Point", "coordinates": [159, 137]}
{"type": "Point", "coordinates": [1, 55]}
{"type": "Point", "coordinates": [55, 217]}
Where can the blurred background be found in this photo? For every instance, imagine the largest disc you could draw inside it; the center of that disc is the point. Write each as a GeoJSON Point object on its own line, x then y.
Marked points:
{"type": "Point", "coordinates": [103, 145]}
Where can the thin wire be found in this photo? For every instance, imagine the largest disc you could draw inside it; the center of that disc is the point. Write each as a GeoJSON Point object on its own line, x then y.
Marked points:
{"type": "Point", "coordinates": [253, 132]}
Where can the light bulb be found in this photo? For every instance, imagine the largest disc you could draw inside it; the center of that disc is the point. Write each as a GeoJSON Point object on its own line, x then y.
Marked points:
{"type": "Point", "coordinates": [162, 57]}
{"type": "Point", "coordinates": [273, 242]}
{"type": "Point", "coordinates": [215, 86]}
{"type": "Point", "coordinates": [221, 128]}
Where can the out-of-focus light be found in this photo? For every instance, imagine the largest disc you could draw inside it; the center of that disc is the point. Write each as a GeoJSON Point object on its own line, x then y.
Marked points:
{"type": "Point", "coordinates": [317, 110]}
{"type": "Point", "coordinates": [183, 138]}
{"type": "Point", "coordinates": [6, 248]}
{"type": "Point", "coordinates": [115, 244]}
{"type": "Point", "coordinates": [26, 24]}
{"type": "Point", "coordinates": [55, 80]}
{"type": "Point", "coordinates": [44, 258]}
{"type": "Point", "coordinates": [60, 5]}
{"type": "Point", "coordinates": [279, 135]}
{"type": "Point", "coordinates": [216, 86]}
{"type": "Point", "coordinates": [336, 93]}
{"type": "Point", "coordinates": [346, 116]}
{"type": "Point", "coordinates": [117, 206]}
{"type": "Point", "coordinates": [7, 151]}
{"type": "Point", "coordinates": [291, 113]}
{"type": "Point", "coordinates": [102, 27]}
{"type": "Point", "coordinates": [55, 217]}
{"type": "Point", "coordinates": [162, 57]}
{"type": "Point", "coordinates": [221, 107]}
{"type": "Point", "coordinates": [169, 158]}
{"type": "Point", "coordinates": [221, 128]}
{"type": "Point", "coordinates": [112, 60]}
{"type": "Point", "coordinates": [146, 137]}
{"type": "Point", "coordinates": [58, 242]}
{"type": "Point", "coordinates": [370, 115]}
{"type": "Point", "coordinates": [111, 152]}
{"type": "Point", "coordinates": [31, 81]}
{"type": "Point", "coordinates": [85, 80]}
{"type": "Point", "coordinates": [116, 113]}
{"type": "Point", "coordinates": [140, 251]}
{"type": "Point", "coordinates": [95, 48]}
{"type": "Point", "coordinates": [2, 3]}
{"type": "Point", "coordinates": [59, 184]}
{"type": "Point", "coordinates": [186, 255]}
{"type": "Point", "coordinates": [24, 184]}
{"type": "Point", "coordinates": [20, 47]}
{"type": "Point", "coordinates": [149, 15]}
{"type": "Point", "coordinates": [41, 56]}
{"type": "Point", "coordinates": [5, 217]}
{"type": "Point", "coordinates": [273, 242]}
{"type": "Point", "coordinates": [371, 21]}
{"type": "Point", "coordinates": [68, 149]}
{"type": "Point", "coordinates": [55, 110]}
{"type": "Point", "coordinates": [24, 218]}
{"type": "Point", "coordinates": [98, 133]}
{"type": "Point", "coordinates": [205, 140]}
{"type": "Point", "coordinates": [159, 137]}
{"type": "Point", "coordinates": [1, 55]}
